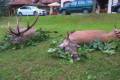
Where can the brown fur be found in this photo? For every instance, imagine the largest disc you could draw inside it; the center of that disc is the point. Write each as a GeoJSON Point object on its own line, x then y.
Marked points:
{"type": "Point", "coordinates": [73, 39]}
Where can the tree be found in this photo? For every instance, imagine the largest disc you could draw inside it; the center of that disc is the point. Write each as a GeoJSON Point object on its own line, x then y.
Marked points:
{"type": "Point", "coordinates": [3, 7]}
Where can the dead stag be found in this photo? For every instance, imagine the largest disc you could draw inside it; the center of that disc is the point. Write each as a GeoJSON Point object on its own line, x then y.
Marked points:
{"type": "Point", "coordinates": [20, 35]}
{"type": "Point", "coordinates": [74, 39]}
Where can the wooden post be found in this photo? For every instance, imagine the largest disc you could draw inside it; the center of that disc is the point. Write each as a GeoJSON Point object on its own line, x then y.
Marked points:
{"type": "Point", "coordinates": [94, 6]}
{"type": "Point", "coordinates": [109, 5]}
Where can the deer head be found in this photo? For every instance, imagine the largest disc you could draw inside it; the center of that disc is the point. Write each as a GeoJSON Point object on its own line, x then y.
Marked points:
{"type": "Point", "coordinates": [70, 46]}
{"type": "Point", "coordinates": [19, 35]}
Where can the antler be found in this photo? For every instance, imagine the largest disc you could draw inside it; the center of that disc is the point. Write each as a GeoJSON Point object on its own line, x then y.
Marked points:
{"type": "Point", "coordinates": [18, 29]}
{"type": "Point", "coordinates": [10, 29]}
{"type": "Point", "coordinates": [18, 32]}
{"type": "Point", "coordinates": [29, 27]}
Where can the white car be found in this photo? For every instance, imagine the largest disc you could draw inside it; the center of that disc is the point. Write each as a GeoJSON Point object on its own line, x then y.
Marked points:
{"type": "Point", "coordinates": [30, 10]}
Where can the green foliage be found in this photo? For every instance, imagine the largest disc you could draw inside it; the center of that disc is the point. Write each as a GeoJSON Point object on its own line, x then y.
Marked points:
{"type": "Point", "coordinates": [109, 48]}
{"type": "Point", "coordinates": [39, 37]}
{"type": "Point", "coordinates": [57, 52]}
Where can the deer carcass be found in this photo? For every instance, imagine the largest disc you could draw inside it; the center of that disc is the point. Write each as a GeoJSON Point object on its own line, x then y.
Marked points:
{"type": "Point", "coordinates": [74, 39]}
{"type": "Point", "coordinates": [20, 35]}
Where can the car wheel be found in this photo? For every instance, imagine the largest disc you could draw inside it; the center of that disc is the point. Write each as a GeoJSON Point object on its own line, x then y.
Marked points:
{"type": "Point", "coordinates": [35, 13]}
{"type": "Point", "coordinates": [20, 14]}
{"type": "Point", "coordinates": [118, 10]}
{"type": "Point", "coordinates": [68, 13]}
{"type": "Point", "coordinates": [85, 11]}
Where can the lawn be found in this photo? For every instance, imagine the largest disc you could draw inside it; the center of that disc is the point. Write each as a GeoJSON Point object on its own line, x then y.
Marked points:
{"type": "Point", "coordinates": [34, 63]}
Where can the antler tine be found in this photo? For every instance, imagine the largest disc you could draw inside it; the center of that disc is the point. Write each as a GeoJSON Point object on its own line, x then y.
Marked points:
{"type": "Point", "coordinates": [18, 29]}
{"type": "Point", "coordinates": [34, 21]}
{"type": "Point", "coordinates": [28, 27]}
{"type": "Point", "coordinates": [17, 21]}
{"type": "Point", "coordinates": [67, 37]}
{"type": "Point", "coordinates": [10, 29]}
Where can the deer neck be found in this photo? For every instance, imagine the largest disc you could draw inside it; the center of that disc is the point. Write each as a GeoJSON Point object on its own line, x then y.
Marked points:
{"type": "Point", "coordinates": [109, 36]}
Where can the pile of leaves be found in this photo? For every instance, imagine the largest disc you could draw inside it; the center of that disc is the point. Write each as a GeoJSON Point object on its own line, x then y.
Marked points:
{"type": "Point", "coordinates": [39, 37]}
{"type": "Point", "coordinates": [109, 48]}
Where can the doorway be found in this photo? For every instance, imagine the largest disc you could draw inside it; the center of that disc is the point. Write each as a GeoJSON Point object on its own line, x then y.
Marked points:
{"type": "Point", "coordinates": [103, 5]}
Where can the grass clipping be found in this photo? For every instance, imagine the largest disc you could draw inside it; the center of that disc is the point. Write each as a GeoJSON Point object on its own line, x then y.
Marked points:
{"type": "Point", "coordinates": [109, 48]}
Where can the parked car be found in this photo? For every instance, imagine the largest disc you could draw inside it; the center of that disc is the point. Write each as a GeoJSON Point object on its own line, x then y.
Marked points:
{"type": "Point", "coordinates": [116, 8]}
{"type": "Point", "coordinates": [77, 6]}
{"type": "Point", "coordinates": [30, 10]}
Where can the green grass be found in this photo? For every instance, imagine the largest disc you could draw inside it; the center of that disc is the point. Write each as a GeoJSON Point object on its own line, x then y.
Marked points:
{"type": "Point", "coordinates": [34, 63]}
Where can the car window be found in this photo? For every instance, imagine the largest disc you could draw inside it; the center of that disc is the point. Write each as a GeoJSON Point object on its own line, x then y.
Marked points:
{"type": "Point", "coordinates": [73, 4]}
{"type": "Point", "coordinates": [89, 1]}
{"type": "Point", "coordinates": [81, 2]}
{"type": "Point", "coordinates": [67, 4]}
{"type": "Point", "coordinates": [23, 8]}
{"type": "Point", "coordinates": [28, 7]}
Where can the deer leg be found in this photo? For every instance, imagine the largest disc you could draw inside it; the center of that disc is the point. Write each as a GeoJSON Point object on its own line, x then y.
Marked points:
{"type": "Point", "coordinates": [75, 55]}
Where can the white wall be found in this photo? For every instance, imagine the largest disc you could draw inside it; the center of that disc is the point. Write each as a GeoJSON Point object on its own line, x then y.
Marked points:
{"type": "Point", "coordinates": [115, 2]}
{"type": "Point", "coordinates": [110, 3]}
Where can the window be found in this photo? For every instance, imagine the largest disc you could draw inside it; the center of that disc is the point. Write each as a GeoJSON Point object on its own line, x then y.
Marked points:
{"type": "Point", "coordinates": [67, 4]}
{"type": "Point", "coordinates": [28, 7]}
{"type": "Point", "coordinates": [81, 2]}
{"type": "Point", "coordinates": [23, 8]}
{"type": "Point", "coordinates": [73, 4]}
{"type": "Point", "coordinates": [89, 1]}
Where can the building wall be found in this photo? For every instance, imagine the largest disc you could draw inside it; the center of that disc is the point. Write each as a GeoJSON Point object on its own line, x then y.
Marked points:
{"type": "Point", "coordinates": [110, 3]}
{"type": "Point", "coordinates": [114, 1]}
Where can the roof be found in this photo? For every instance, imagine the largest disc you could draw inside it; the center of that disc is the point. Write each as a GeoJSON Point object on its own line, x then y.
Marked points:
{"type": "Point", "coordinates": [15, 2]}
{"type": "Point", "coordinates": [54, 4]}
{"type": "Point", "coordinates": [49, 1]}
{"type": "Point", "coordinates": [18, 2]}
